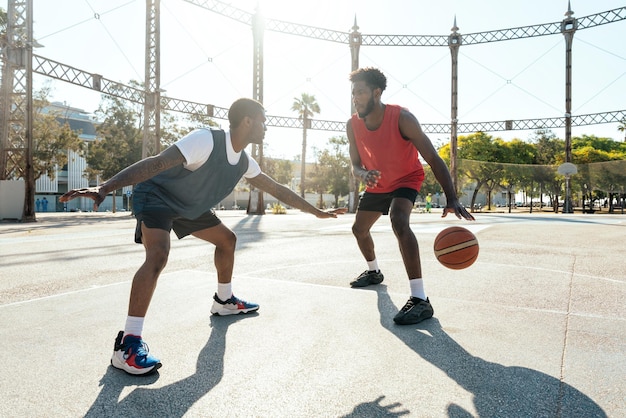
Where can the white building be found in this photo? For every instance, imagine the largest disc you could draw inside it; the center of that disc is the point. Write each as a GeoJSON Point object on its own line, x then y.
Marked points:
{"type": "Point", "coordinates": [72, 175]}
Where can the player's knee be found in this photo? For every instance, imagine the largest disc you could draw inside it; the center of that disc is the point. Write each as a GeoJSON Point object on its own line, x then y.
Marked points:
{"type": "Point", "coordinates": [359, 232]}
{"type": "Point", "coordinates": [400, 226]}
{"type": "Point", "coordinates": [228, 241]}
{"type": "Point", "coordinates": [157, 257]}
{"type": "Point", "coordinates": [232, 240]}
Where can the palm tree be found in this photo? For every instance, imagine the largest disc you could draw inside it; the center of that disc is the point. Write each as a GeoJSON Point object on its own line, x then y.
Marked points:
{"type": "Point", "coordinates": [622, 128]}
{"type": "Point", "coordinates": [306, 106]}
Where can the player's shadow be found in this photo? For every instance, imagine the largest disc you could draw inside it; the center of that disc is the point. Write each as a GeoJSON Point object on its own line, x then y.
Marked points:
{"type": "Point", "coordinates": [170, 401]}
{"type": "Point", "coordinates": [377, 409]}
{"type": "Point", "coordinates": [498, 391]}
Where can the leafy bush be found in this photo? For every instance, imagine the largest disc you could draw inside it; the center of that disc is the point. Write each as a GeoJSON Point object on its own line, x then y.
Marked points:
{"type": "Point", "coordinates": [278, 209]}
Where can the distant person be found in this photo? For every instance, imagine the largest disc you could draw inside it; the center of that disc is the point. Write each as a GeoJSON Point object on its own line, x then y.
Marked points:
{"type": "Point", "coordinates": [385, 144]}
{"type": "Point", "coordinates": [175, 190]}
{"type": "Point", "coordinates": [44, 204]}
{"type": "Point", "coordinates": [429, 202]}
{"type": "Point", "coordinates": [38, 204]}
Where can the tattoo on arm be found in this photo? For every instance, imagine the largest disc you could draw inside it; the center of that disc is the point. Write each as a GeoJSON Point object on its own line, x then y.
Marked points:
{"type": "Point", "coordinates": [145, 169]}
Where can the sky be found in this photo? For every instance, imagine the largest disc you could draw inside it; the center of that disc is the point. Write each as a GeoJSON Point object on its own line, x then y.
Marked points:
{"type": "Point", "coordinates": [207, 58]}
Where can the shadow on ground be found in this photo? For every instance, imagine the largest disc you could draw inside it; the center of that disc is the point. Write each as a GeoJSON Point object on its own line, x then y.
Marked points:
{"type": "Point", "coordinates": [498, 391]}
{"type": "Point", "coordinates": [170, 401]}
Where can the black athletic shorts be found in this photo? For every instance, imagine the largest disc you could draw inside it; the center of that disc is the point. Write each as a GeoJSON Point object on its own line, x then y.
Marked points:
{"type": "Point", "coordinates": [380, 202]}
{"type": "Point", "coordinates": [169, 220]}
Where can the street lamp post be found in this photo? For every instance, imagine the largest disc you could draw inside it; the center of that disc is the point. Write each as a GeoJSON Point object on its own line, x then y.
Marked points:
{"type": "Point", "coordinates": [454, 42]}
{"type": "Point", "coordinates": [355, 44]}
{"type": "Point", "coordinates": [568, 28]}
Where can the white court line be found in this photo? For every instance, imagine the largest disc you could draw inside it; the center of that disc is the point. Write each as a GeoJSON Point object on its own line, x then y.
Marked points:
{"type": "Point", "coordinates": [36, 237]}
{"type": "Point", "coordinates": [499, 305]}
{"type": "Point", "coordinates": [418, 228]}
{"type": "Point", "coordinates": [256, 272]}
{"type": "Point", "coordinates": [73, 292]}
{"type": "Point", "coordinates": [389, 260]}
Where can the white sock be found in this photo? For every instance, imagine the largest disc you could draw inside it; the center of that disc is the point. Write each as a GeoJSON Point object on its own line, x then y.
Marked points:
{"type": "Point", "coordinates": [372, 265]}
{"type": "Point", "coordinates": [417, 288]}
{"type": "Point", "coordinates": [224, 291]}
{"type": "Point", "coordinates": [134, 325]}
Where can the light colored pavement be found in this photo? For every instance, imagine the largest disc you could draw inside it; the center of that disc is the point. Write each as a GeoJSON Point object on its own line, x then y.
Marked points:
{"type": "Point", "coordinates": [535, 328]}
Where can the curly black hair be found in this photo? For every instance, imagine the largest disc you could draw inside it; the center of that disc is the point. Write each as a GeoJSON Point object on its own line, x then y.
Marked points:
{"type": "Point", "coordinates": [241, 108]}
{"type": "Point", "coordinates": [373, 77]}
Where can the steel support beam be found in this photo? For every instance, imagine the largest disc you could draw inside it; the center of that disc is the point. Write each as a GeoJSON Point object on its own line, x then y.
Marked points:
{"type": "Point", "coordinates": [454, 42]}
{"type": "Point", "coordinates": [16, 143]}
{"type": "Point", "coordinates": [152, 83]}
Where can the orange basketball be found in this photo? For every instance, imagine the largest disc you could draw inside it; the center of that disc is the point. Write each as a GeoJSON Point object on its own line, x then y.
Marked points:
{"type": "Point", "coordinates": [456, 247]}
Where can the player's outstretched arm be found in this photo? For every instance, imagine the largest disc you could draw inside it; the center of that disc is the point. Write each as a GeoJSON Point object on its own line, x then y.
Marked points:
{"type": "Point", "coordinates": [282, 193]}
{"type": "Point", "coordinates": [411, 129]}
{"type": "Point", "coordinates": [133, 174]}
{"type": "Point", "coordinates": [94, 193]}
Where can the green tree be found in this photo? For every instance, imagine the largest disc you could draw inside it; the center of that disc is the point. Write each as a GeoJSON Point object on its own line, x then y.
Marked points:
{"type": "Point", "coordinates": [171, 131]}
{"type": "Point", "coordinates": [600, 164]}
{"type": "Point", "coordinates": [607, 145]}
{"type": "Point", "coordinates": [319, 181]}
{"type": "Point", "coordinates": [306, 106]}
{"type": "Point", "coordinates": [279, 170]}
{"type": "Point", "coordinates": [3, 26]}
{"type": "Point", "coordinates": [430, 184]}
{"type": "Point", "coordinates": [517, 155]}
{"type": "Point", "coordinates": [336, 161]}
{"type": "Point", "coordinates": [51, 139]}
{"type": "Point", "coordinates": [472, 150]}
{"type": "Point", "coordinates": [120, 140]}
{"type": "Point", "coordinates": [550, 152]}
{"type": "Point", "coordinates": [622, 128]}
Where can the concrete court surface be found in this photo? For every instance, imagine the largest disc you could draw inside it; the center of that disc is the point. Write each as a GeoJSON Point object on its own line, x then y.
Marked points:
{"type": "Point", "coordinates": [535, 328]}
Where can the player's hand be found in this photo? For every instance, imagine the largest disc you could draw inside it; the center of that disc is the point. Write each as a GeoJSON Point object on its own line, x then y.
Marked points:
{"type": "Point", "coordinates": [459, 210]}
{"type": "Point", "coordinates": [371, 178]}
{"type": "Point", "coordinates": [331, 213]}
{"type": "Point", "coordinates": [92, 193]}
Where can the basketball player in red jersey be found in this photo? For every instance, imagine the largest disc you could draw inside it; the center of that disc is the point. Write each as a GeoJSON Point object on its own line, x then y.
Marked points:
{"type": "Point", "coordinates": [385, 144]}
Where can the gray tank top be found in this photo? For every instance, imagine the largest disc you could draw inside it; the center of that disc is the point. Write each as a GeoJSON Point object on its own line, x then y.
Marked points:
{"type": "Point", "coordinates": [192, 193]}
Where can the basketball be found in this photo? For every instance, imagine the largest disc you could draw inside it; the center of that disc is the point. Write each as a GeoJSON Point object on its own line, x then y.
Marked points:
{"type": "Point", "coordinates": [456, 248]}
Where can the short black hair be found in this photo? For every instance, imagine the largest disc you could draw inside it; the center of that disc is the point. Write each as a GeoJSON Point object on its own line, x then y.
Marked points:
{"type": "Point", "coordinates": [241, 108]}
{"type": "Point", "coordinates": [373, 77]}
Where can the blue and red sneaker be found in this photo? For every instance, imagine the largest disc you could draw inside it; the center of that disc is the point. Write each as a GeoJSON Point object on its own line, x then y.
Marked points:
{"type": "Point", "coordinates": [232, 306]}
{"type": "Point", "coordinates": [131, 355]}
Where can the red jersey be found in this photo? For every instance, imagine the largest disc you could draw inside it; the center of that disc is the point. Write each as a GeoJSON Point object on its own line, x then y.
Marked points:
{"type": "Point", "coordinates": [387, 151]}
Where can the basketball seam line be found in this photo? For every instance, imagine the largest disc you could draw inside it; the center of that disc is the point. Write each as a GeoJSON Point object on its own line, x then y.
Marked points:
{"type": "Point", "coordinates": [456, 247]}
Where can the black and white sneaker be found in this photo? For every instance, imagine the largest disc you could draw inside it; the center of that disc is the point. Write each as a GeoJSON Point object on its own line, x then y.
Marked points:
{"type": "Point", "coordinates": [368, 277]}
{"type": "Point", "coordinates": [414, 311]}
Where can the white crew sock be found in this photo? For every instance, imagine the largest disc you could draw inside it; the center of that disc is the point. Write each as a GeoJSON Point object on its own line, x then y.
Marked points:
{"type": "Point", "coordinates": [417, 288]}
{"type": "Point", "coordinates": [372, 265]}
{"type": "Point", "coordinates": [134, 325]}
{"type": "Point", "coordinates": [224, 291]}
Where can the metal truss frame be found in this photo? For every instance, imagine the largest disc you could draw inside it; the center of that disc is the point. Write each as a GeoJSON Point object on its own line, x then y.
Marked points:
{"type": "Point", "coordinates": [96, 82]}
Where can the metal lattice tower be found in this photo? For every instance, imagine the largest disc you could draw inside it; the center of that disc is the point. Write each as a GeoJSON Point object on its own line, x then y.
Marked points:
{"type": "Point", "coordinates": [152, 105]}
{"type": "Point", "coordinates": [454, 42]}
{"type": "Point", "coordinates": [16, 103]}
{"type": "Point", "coordinates": [568, 28]}
{"type": "Point", "coordinates": [255, 202]}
